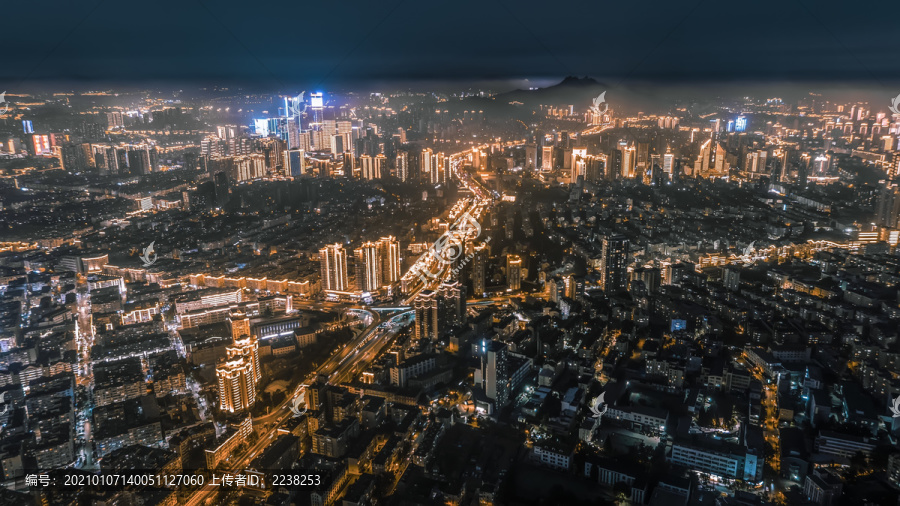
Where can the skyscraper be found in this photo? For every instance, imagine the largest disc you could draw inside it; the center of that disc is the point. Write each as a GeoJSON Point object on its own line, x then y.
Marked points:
{"type": "Point", "coordinates": [479, 270]}
{"type": "Point", "coordinates": [425, 161]}
{"type": "Point", "coordinates": [668, 161]}
{"type": "Point", "coordinates": [295, 164]}
{"type": "Point", "coordinates": [629, 159]}
{"type": "Point", "coordinates": [887, 207]}
{"type": "Point", "coordinates": [614, 165]}
{"type": "Point", "coordinates": [530, 156]}
{"type": "Point", "coordinates": [451, 307]}
{"type": "Point", "coordinates": [711, 162]}
{"type": "Point", "coordinates": [613, 263]}
{"type": "Point", "coordinates": [494, 371]}
{"type": "Point", "coordinates": [426, 308]}
{"type": "Point", "coordinates": [333, 267]}
{"type": "Point", "coordinates": [240, 326]}
{"type": "Point", "coordinates": [547, 159]}
{"type": "Point", "coordinates": [514, 272]}
{"type": "Point", "coordinates": [389, 250]}
{"type": "Point", "coordinates": [402, 162]}
{"type": "Point", "coordinates": [237, 388]}
{"type": "Point", "coordinates": [368, 267]}
{"type": "Point", "coordinates": [247, 347]}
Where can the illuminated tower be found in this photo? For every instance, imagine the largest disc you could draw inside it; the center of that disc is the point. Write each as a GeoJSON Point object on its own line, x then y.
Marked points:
{"type": "Point", "coordinates": [494, 372]}
{"type": "Point", "coordinates": [389, 249]}
{"type": "Point", "coordinates": [820, 165]}
{"type": "Point", "coordinates": [380, 165]}
{"type": "Point", "coordinates": [317, 104]}
{"type": "Point", "coordinates": [579, 161]}
{"type": "Point", "coordinates": [425, 161]}
{"type": "Point", "coordinates": [628, 160]}
{"type": "Point", "coordinates": [371, 167]}
{"type": "Point", "coordinates": [240, 326]}
{"type": "Point", "coordinates": [402, 162]}
{"type": "Point", "coordinates": [479, 270]}
{"type": "Point", "coordinates": [426, 308]}
{"type": "Point", "coordinates": [368, 267]}
{"type": "Point", "coordinates": [514, 272]}
{"type": "Point", "coordinates": [668, 161]}
{"type": "Point", "coordinates": [247, 347]}
{"type": "Point", "coordinates": [887, 207]}
{"type": "Point", "coordinates": [711, 162]}
{"type": "Point", "coordinates": [613, 263]}
{"type": "Point", "coordinates": [237, 388]}
{"type": "Point", "coordinates": [333, 267]}
{"type": "Point", "coordinates": [547, 158]}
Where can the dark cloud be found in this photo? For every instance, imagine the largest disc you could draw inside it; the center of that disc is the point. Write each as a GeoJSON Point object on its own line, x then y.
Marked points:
{"type": "Point", "coordinates": [282, 43]}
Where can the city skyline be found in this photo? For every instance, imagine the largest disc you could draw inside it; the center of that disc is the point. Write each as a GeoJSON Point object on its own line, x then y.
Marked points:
{"type": "Point", "coordinates": [473, 254]}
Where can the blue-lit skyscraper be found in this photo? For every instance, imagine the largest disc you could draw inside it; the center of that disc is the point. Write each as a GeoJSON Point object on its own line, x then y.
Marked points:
{"type": "Point", "coordinates": [294, 162]}
{"type": "Point", "coordinates": [740, 124]}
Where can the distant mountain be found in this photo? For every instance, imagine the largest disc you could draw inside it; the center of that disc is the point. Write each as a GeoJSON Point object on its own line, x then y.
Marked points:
{"type": "Point", "coordinates": [577, 91]}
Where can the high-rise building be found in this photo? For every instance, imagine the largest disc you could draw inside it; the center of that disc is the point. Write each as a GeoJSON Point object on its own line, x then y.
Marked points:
{"type": "Point", "coordinates": [426, 308]}
{"type": "Point", "coordinates": [731, 278]}
{"type": "Point", "coordinates": [650, 277]}
{"type": "Point", "coordinates": [368, 267]}
{"type": "Point", "coordinates": [547, 159]}
{"type": "Point", "coordinates": [595, 167]}
{"type": "Point", "coordinates": [887, 207]}
{"type": "Point", "coordinates": [426, 158]}
{"type": "Point", "coordinates": [402, 163]}
{"type": "Point", "coordinates": [380, 165]}
{"type": "Point", "coordinates": [451, 304]}
{"type": "Point", "coordinates": [389, 250]}
{"type": "Point", "coordinates": [614, 165]}
{"type": "Point", "coordinates": [578, 163]}
{"type": "Point", "coordinates": [479, 270]}
{"type": "Point", "coordinates": [333, 267]}
{"type": "Point", "coordinates": [668, 161]}
{"type": "Point", "coordinates": [295, 162]}
{"type": "Point", "coordinates": [72, 158]}
{"type": "Point", "coordinates": [113, 119]}
{"type": "Point", "coordinates": [756, 162]}
{"type": "Point", "coordinates": [514, 272]}
{"type": "Point", "coordinates": [629, 160]}
{"type": "Point", "coordinates": [372, 167]}
{"type": "Point", "coordinates": [613, 263]}
{"type": "Point", "coordinates": [237, 387]}
{"type": "Point", "coordinates": [531, 156]}
{"type": "Point", "coordinates": [240, 326]}
{"type": "Point", "coordinates": [246, 347]}
{"type": "Point", "coordinates": [239, 375]}
{"type": "Point", "coordinates": [337, 144]}
{"type": "Point", "coordinates": [494, 371]}
{"type": "Point", "coordinates": [711, 162]}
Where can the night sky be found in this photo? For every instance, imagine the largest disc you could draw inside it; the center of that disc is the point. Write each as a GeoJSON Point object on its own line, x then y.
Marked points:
{"type": "Point", "coordinates": [280, 44]}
